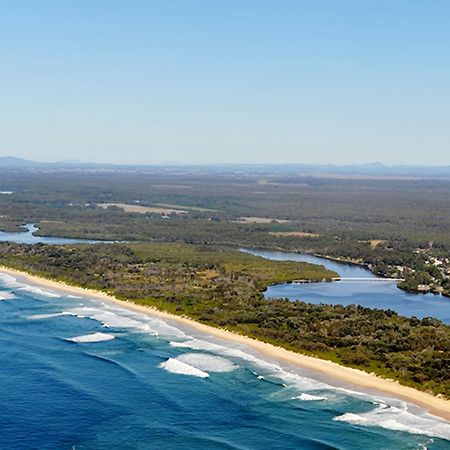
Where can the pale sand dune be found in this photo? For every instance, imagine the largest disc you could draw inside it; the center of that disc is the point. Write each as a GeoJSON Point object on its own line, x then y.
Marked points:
{"type": "Point", "coordinates": [435, 405]}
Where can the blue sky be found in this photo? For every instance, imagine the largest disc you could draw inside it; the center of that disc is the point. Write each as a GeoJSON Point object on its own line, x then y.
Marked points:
{"type": "Point", "coordinates": [222, 81]}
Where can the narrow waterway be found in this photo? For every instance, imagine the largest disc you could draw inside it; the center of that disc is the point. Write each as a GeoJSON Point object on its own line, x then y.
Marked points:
{"type": "Point", "coordinates": [381, 295]}
{"type": "Point", "coordinates": [28, 237]}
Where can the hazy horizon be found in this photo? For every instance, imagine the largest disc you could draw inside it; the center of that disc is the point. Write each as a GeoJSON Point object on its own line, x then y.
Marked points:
{"type": "Point", "coordinates": [198, 82]}
{"type": "Point", "coordinates": [369, 165]}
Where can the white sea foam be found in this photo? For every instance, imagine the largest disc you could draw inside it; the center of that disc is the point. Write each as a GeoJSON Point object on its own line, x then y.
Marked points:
{"type": "Point", "coordinates": [47, 316]}
{"type": "Point", "coordinates": [399, 419]}
{"type": "Point", "coordinates": [198, 344]}
{"type": "Point", "coordinates": [164, 329]}
{"type": "Point", "coordinates": [112, 317]}
{"type": "Point", "coordinates": [390, 413]}
{"type": "Point", "coordinates": [105, 314]}
{"type": "Point", "coordinates": [8, 280]}
{"type": "Point", "coordinates": [176, 366]}
{"type": "Point", "coordinates": [199, 365]}
{"type": "Point", "coordinates": [309, 397]}
{"type": "Point", "coordinates": [95, 337]}
{"type": "Point", "coordinates": [6, 295]}
{"type": "Point", "coordinates": [207, 363]}
{"type": "Point", "coordinates": [38, 291]}
{"type": "Point", "coordinates": [291, 378]}
{"type": "Point", "coordinates": [386, 416]}
{"type": "Point", "coordinates": [11, 282]}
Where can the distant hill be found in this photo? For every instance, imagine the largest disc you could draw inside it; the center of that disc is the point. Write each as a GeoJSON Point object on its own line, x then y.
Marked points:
{"type": "Point", "coordinates": [374, 169]}
{"type": "Point", "coordinates": [12, 161]}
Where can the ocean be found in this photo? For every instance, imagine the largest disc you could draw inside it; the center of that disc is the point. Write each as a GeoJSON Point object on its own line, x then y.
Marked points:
{"type": "Point", "coordinates": [79, 373]}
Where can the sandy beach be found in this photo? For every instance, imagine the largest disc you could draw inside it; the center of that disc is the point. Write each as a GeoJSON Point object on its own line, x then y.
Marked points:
{"type": "Point", "coordinates": [435, 405]}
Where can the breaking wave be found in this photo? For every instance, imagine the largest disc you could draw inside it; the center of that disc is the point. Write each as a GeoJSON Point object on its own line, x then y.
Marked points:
{"type": "Point", "coordinates": [38, 291]}
{"type": "Point", "coordinates": [309, 397]}
{"type": "Point", "coordinates": [11, 282]}
{"type": "Point", "coordinates": [198, 364]}
{"type": "Point", "coordinates": [390, 415]}
{"type": "Point", "coordinates": [208, 363]}
{"type": "Point", "coordinates": [270, 369]}
{"type": "Point", "coordinates": [110, 319]}
{"type": "Point", "coordinates": [119, 318]}
{"type": "Point", "coordinates": [399, 419]}
{"type": "Point", "coordinates": [94, 337]}
{"type": "Point", "coordinates": [47, 316]}
{"type": "Point", "coordinates": [6, 295]}
{"type": "Point", "coordinates": [174, 365]}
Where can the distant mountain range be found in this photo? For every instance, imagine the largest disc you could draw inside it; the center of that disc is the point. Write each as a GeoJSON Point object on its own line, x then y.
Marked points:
{"type": "Point", "coordinates": [370, 169]}
{"type": "Point", "coordinates": [12, 161]}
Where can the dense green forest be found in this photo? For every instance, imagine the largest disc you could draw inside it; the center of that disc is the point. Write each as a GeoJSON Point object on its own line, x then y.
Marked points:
{"type": "Point", "coordinates": [359, 209]}
{"type": "Point", "coordinates": [223, 287]}
{"type": "Point", "coordinates": [397, 227]}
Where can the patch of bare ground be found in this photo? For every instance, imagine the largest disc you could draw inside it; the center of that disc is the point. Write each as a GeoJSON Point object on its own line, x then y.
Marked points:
{"type": "Point", "coordinates": [143, 209]}
{"type": "Point", "coordinates": [374, 243]}
{"type": "Point", "coordinates": [184, 207]}
{"type": "Point", "coordinates": [304, 234]}
{"type": "Point", "coordinates": [261, 220]}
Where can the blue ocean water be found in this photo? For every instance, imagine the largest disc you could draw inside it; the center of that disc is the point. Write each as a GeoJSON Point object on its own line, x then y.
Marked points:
{"type": "Point", "coordinates": [382, 295]}
{"type": "Point", "coordinates": [79, 373]}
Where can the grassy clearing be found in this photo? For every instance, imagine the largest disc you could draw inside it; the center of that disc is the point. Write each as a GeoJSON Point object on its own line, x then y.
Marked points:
{"type": "Point", "coordinates": [142, 209]}
{"type": "Point", "coordinates": [302, 234]}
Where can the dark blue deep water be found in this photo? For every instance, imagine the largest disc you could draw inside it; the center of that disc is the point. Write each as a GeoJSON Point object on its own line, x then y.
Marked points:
{"type": "Point", "coordinates": [381, 295]}
{"type": "Point", "coordinates": [77, 373]}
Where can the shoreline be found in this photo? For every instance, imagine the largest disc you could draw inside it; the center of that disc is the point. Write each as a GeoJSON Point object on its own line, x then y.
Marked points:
{"type": "Point", "coordinates": [358, 378]}
{"type": "Point", "coordinates": [350, 262]}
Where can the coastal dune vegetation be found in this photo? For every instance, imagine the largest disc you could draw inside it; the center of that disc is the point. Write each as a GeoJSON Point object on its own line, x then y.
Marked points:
{"type": "Point", "coordinates": [224, 288]}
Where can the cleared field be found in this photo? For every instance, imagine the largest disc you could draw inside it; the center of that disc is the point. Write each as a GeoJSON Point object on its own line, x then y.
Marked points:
{"type": "Point", "coordinates": [191, 208]}
{"type": "Point", "coordinates": [374, 243]}
{"type": "Point", "coordinates": [294, 233]}
{"type": "Point", "coordinates": [143, 209]}
{"type": "Point", "coordinates": [261, 220]}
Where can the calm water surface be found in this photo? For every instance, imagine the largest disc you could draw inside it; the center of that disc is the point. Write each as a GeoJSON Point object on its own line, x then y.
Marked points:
{"type": "Point", "coordinates": [27, 237]}
{"type": "Point", "coordinates": [384, 295]}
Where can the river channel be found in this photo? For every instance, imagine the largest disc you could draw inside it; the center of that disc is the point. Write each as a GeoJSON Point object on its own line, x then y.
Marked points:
{"type": "Point", "coordinates": [28, 237]}
{"type": "Point", "coordinates": [372, 293]}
